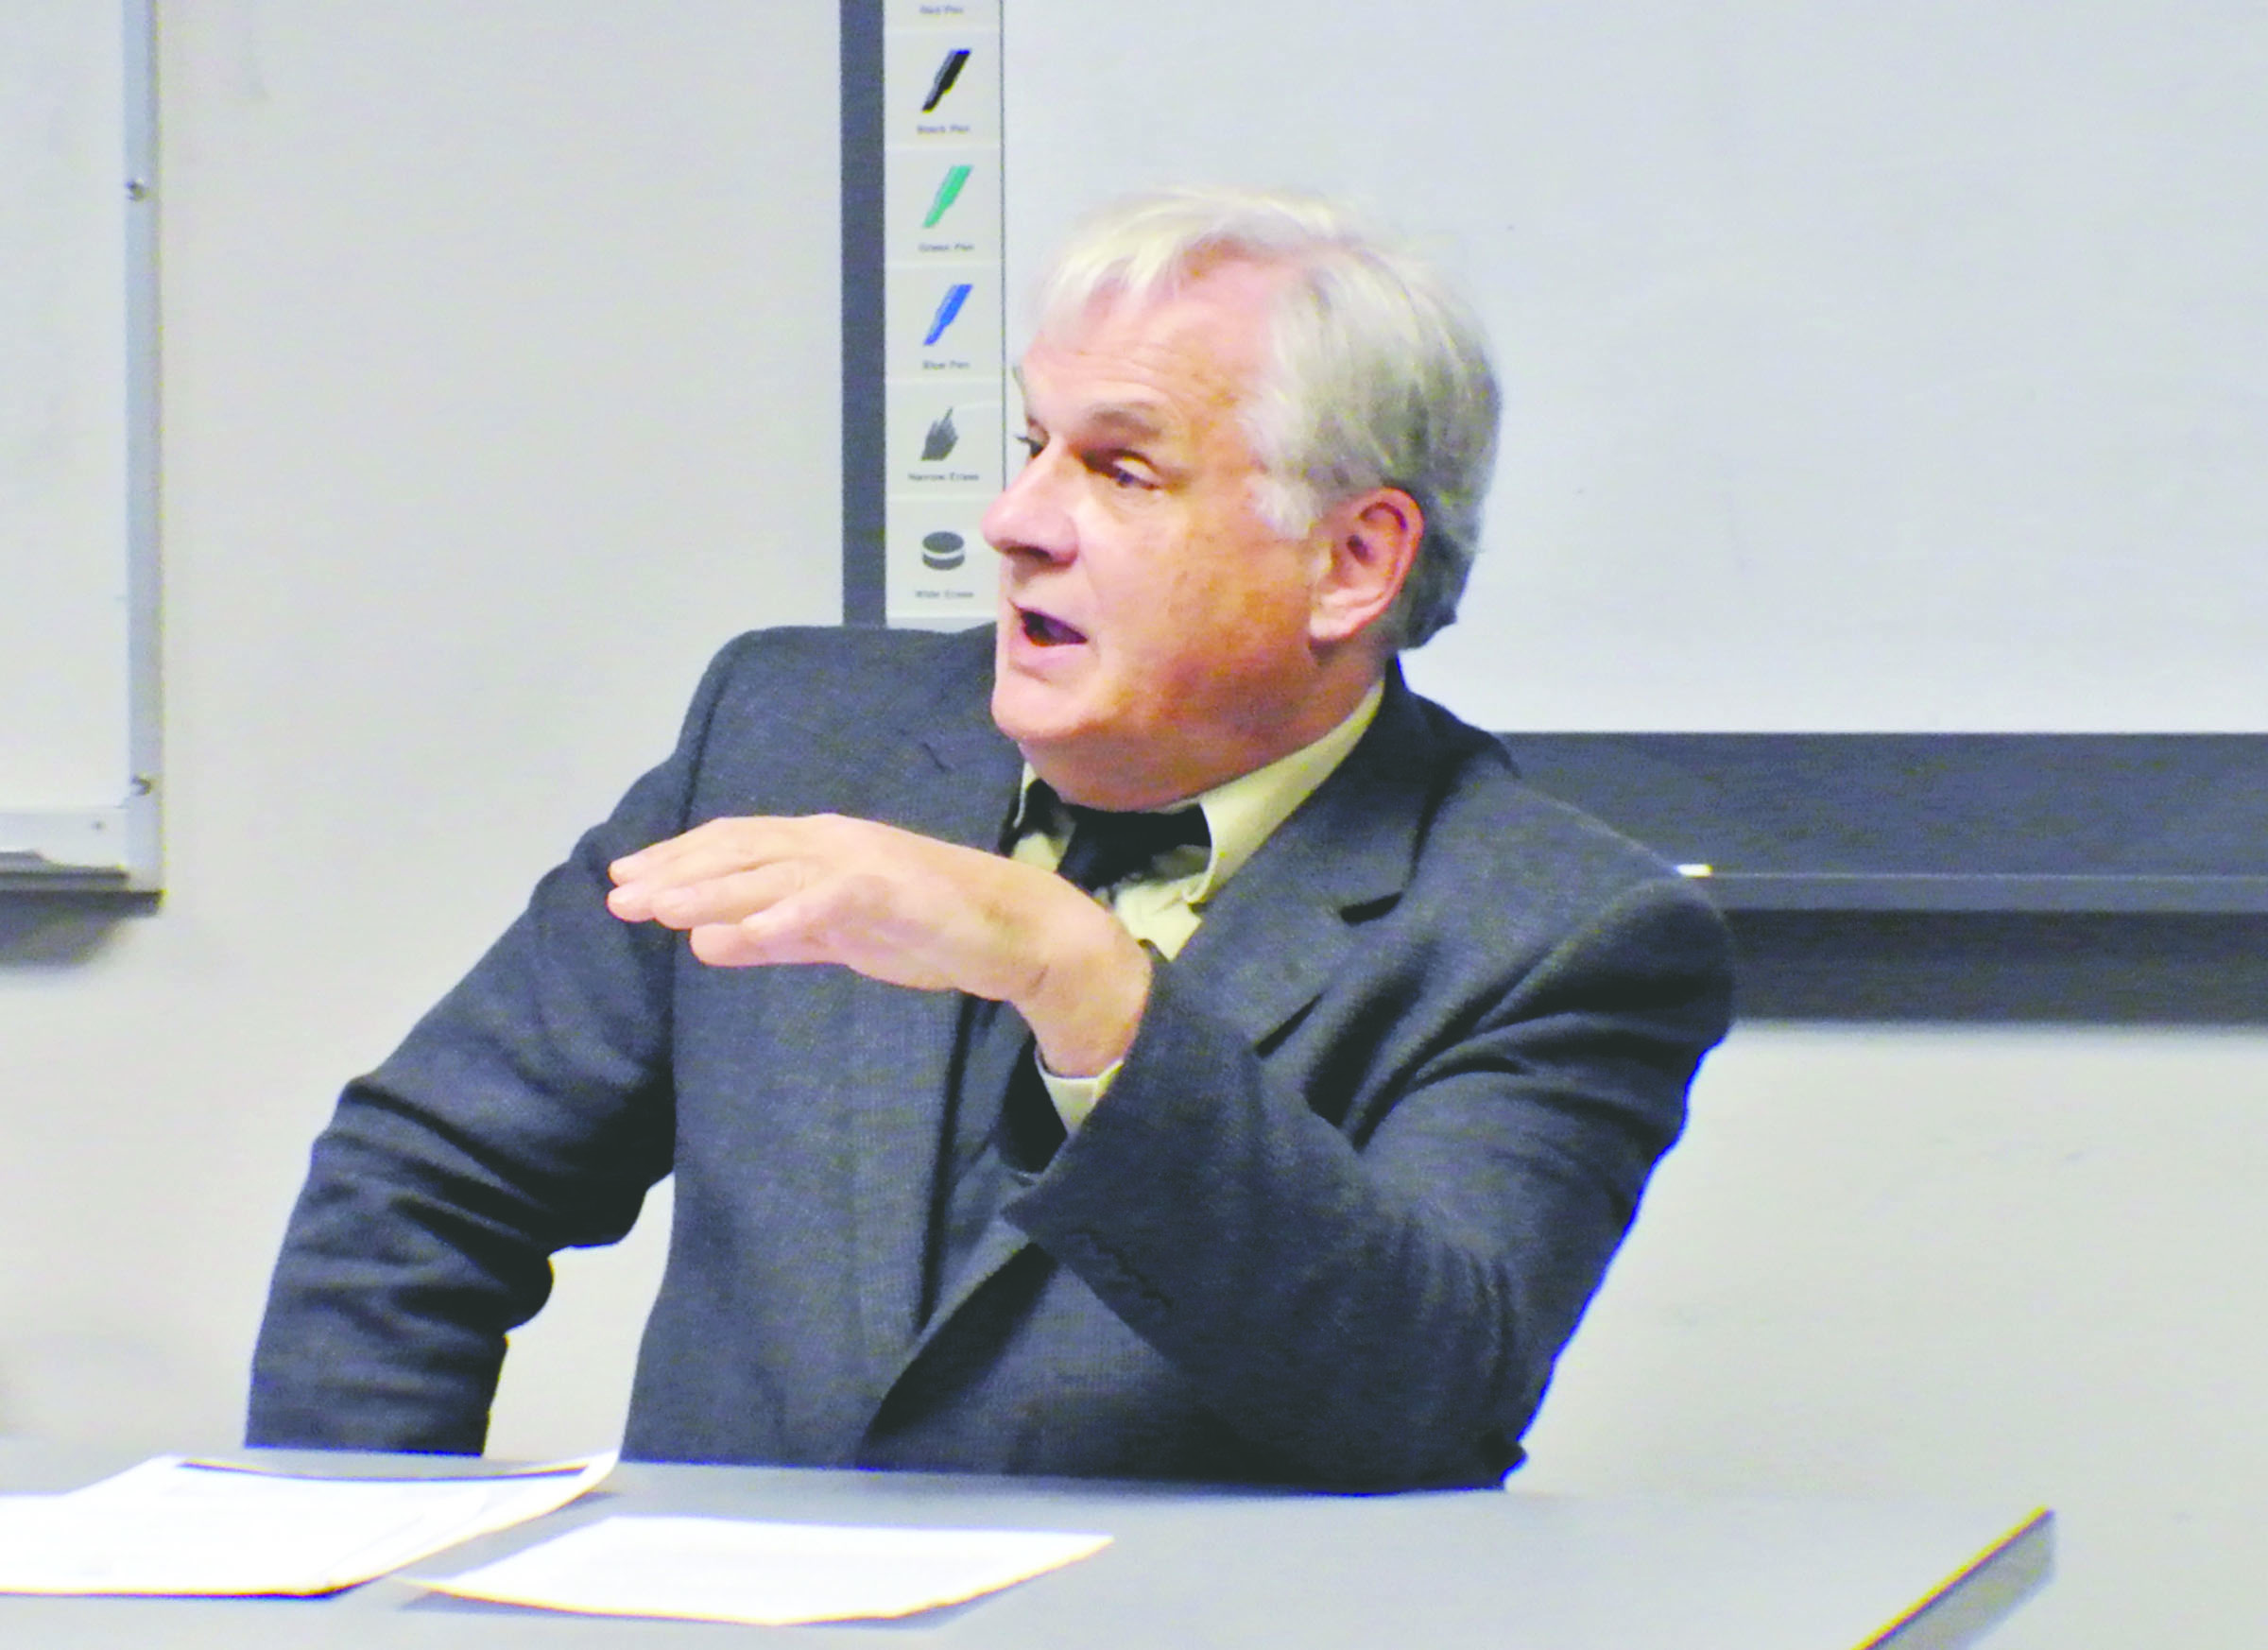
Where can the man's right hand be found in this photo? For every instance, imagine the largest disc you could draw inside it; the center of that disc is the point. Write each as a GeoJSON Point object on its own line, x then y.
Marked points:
{"type": "Point", "coordinates": [903, 908]}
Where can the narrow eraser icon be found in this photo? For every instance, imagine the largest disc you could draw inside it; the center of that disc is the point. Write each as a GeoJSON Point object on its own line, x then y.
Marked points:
{"type": "Point", "coordinates": [942, 440]}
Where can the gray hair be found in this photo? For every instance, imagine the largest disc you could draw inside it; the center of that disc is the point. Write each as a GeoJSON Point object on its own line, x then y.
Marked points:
{"type": "Point", "coordinates": [1379, 372]}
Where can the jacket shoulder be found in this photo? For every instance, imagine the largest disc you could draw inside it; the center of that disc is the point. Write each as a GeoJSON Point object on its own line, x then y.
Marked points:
{"type": "Point", "coordinates": [1490, 828]}
{"type": "Point", "coordinates": [806, 721]}
{"type": "Point", "coordinates": [827, 670]}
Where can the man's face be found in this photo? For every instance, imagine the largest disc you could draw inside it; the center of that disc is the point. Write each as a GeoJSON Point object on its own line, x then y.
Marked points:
{"type": "Point", "coordinates": [1154, 627]}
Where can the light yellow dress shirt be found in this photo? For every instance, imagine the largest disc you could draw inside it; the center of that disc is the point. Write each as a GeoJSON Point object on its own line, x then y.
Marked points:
{"type": "Point", "coordinates": [1164, 908]}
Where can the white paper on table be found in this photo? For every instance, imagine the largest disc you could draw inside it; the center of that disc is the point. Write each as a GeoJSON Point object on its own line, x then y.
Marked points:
{"type": "Point", "coordinates": [176, 1527]}
{"type": "Point", "coordinates": [762, 1573]}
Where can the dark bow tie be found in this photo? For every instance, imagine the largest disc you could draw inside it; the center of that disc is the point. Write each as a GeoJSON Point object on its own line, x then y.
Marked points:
{"type": "Point", "coordinates": [1105, 849]}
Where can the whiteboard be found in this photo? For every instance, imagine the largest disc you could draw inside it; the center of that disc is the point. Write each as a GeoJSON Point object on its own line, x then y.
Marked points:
{"type": "Point", "coordinates": [1873, 367]}
{"type": "Point", "coordinates": [78, 532]}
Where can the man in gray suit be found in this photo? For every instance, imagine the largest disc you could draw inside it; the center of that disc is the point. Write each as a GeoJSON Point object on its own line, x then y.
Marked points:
{"type": "Point", "coordinates": [1144, 1038]}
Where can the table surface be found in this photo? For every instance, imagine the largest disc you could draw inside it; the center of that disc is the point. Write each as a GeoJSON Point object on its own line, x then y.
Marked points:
{"type": "Point", "coordinates": [1193, 1569]}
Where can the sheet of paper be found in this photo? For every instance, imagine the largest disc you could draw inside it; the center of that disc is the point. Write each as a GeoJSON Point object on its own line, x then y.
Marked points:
{"type": "Point", "coordinates": [174, 1527]}
{"type": "Point", "coordinates": [765, 1574]}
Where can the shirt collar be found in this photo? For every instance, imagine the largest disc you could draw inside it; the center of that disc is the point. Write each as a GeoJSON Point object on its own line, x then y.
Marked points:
{"type": "Point", "coordinates": [1242, 813]}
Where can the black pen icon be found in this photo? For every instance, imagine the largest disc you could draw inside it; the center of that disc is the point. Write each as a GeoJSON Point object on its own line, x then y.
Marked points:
{"type": "Point", "coordinates": [948, 72]}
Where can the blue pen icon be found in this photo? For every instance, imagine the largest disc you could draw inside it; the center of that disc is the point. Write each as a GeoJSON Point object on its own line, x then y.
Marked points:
{"type": "Point", "coordinates": [948, 308]}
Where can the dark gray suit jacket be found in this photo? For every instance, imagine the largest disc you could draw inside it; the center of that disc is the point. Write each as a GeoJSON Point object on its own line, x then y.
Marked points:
{"type": "Point", "coordinates": [1386, 1120]}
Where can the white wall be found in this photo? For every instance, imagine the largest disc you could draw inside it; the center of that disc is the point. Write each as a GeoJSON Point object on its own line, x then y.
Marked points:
{"type": "Point", "coordinates": [500, 356]}
{"type": "Point", "coordinates": [1991, 1263]}
{"type": "Point", "coordinates": [499, 389]}
{"type": "Point", "coordinates": [1827, 327]}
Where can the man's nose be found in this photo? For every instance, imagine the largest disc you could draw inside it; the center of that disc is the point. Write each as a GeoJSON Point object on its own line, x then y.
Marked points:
{"type": "Point", "coordinates": [1030, 517]}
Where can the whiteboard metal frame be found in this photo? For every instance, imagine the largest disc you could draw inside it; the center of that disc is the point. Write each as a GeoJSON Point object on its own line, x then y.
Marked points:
{"type": "Point", "coordinates": [119, 847]}
{"type": "Point", "coordinates": [2064, 823]}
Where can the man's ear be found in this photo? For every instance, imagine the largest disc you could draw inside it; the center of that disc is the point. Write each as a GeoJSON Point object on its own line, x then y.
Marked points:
{"type": "Point", "coordinates": [1374, 545]}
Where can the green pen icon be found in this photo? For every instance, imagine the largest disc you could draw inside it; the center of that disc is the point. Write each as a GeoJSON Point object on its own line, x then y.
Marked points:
{"type": "Point", "coordinates": [949, 191]}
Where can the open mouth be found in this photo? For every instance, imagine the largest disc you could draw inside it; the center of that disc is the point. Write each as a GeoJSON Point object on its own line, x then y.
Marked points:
{"type": "Point", "coordinates": [1045, 632]}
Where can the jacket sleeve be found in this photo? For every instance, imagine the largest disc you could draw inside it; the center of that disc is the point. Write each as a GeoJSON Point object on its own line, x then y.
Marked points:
{"type": "Point", "coordinates": [529, 1111]}
{"type": "Point", "coordinates": [1376, 1297]}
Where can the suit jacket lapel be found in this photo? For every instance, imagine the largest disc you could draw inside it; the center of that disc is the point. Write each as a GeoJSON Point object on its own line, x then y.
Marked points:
{"type": "Point", "coordinates": [999, 1244]}
{"type": "Point", "coordinates": [1273, 939]}
{"type": "Point", "coordinates": [1277, 933]}
{"type": "Point", "coordinates": [954, 781]}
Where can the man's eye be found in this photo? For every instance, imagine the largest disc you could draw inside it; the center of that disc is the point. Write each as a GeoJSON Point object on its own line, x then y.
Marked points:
{"type": "Point", "coordinates": [1124, 471]}
{"type": "Point", "coordinates": [1030, 443]}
